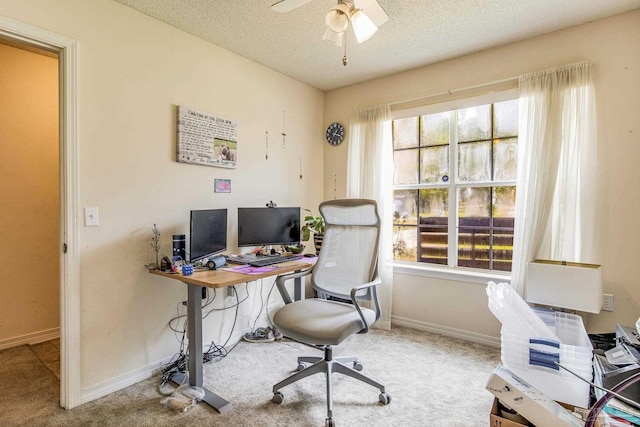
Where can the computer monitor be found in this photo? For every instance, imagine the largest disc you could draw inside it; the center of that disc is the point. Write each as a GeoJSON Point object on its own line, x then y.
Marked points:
{"type": "Point", "coordinates": [268, 226]}
{"type": "Point", "coordinates": [208, 233]}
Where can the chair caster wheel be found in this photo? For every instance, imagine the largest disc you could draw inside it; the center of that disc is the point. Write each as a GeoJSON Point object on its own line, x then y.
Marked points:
{"type": "Point", "coordinates": [385, 398]}
{"type": "Point", "coordinates": [357, 366]}
{"type": "Point", "coordinates": [277, 397]}
{"type": "Point", "coordinates": [329, 422]}
{"type": "Point", "coordinates": [301, 366]}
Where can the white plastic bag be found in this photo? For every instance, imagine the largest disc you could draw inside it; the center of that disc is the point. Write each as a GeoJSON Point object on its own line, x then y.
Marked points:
{"type": "Point", "coordinates": [515, 314]}
{"type": "Point", "coordinates": [183, 398]}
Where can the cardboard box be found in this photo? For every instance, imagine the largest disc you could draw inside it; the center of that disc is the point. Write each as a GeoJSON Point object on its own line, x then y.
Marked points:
{"type": "Point", "coordinates": [518, 395]}
{"type": "Point", "coordinates": [497, 420]}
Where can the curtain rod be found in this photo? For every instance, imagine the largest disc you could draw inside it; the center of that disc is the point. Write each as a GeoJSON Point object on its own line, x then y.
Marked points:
{"type": "Point", "coordinates": [495, 86]}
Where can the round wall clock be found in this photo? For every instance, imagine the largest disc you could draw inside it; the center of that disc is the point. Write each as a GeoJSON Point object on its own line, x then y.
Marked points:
{"type": "Point", "coordinates": [335, 133]}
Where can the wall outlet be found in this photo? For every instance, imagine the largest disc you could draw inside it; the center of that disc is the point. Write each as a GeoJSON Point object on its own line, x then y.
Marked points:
{"type": "Point", "coordinates": [607, 302]}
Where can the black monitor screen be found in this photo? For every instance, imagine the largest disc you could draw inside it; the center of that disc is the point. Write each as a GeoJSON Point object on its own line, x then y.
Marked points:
{"type": "Point", "coordinates": [268, 226]}
{"type": "Point", "coordinates": [208, 233]}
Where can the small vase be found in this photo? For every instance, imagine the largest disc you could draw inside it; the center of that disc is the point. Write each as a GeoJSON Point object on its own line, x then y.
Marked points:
{"type": "Point", "coordinates": [317, 241]}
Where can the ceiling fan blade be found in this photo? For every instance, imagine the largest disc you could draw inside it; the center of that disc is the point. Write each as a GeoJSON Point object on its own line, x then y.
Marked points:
{"type": "Point", "coordinates": [373, 10]}
{"type": "Point", "coordinates": [288, 5]}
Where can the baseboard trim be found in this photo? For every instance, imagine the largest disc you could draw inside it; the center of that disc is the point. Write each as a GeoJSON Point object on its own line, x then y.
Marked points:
{"type": "Point", "coordinates": [32, 338]}
{"type": "Point", "coordinates": [120, 382]}
{"type": "Point", "coordinates": [447, 331]}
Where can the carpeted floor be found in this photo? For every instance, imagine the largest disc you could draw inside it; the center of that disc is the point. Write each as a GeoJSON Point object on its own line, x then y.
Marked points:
{"type": "Point", "coordinates": [433, 381]}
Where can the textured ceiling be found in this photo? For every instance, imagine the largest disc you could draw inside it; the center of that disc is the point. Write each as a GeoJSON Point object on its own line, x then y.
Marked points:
{"type": "Point", "coordinates": [418, 32]}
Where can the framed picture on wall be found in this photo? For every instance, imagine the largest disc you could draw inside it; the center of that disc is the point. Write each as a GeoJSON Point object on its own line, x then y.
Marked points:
{"type": "Point", "coordinates": [222, 186]}
{"type": "Point", "coordinates": [206, 139]}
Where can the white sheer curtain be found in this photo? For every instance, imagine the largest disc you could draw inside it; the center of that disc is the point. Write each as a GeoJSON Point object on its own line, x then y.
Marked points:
{"type": "Point", "coordinates": [555, 204]}
{"type": "Point", "coordinates": [370, 175]}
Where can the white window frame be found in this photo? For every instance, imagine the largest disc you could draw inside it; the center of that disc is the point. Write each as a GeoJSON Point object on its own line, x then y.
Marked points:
{"type": "Point", "coordinates": [449, 272]}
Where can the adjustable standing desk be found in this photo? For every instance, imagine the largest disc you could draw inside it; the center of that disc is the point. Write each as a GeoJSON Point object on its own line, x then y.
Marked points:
{"type": "Point", "coordinates": [218, 279]}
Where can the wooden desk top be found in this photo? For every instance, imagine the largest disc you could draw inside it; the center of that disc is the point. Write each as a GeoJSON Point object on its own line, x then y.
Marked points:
{"type": "Point", "coordinates": [222, 278]}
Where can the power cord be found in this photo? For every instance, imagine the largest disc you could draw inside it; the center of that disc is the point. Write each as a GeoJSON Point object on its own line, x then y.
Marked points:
{"type": "Point", "coordinates": [179, 362]}
{"type": "Point", "coordinates": [220, 352]}
{"type": "Point", "coordinates": [264, 305]}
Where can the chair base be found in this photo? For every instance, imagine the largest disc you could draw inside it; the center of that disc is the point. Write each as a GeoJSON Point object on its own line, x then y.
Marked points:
{"type": "Point", "coordinates": [328, 365]}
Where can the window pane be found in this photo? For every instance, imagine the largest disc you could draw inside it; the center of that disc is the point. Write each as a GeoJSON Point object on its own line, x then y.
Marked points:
{"type": "Point", "coordinates": [474, 123]}
{"type": "Point", "coordinates": [405, 218]}
{"type": "Point", "coordinates": [405, 243]}
{"type": "Point", "coordinates": [505, 119]}
{"type": "Point", "coordinates": [434, 210]}
{"type": "Point", "coordinates": [405, 207]}
{"type": "Point", "coordinates": [473, 227]}
{"type": "Point", "coordinates": [474, 161]}
{"type": "Point", "coordinates": [434, 166]}
{"type": "Point", "coordinates": [506, 159]}
{"type": "Point", "coordinates": [434, 202]}
{"type": "Point", "coordinates": [435, 129]}
{"type": "Point", "coordinates": [405, 133]}
{"type": "Point", "coordinates": [474, 202]}
{"type": "Point", "coordinates": [405, 167]}
{"type": "Point", "coordinates": [504, 202]}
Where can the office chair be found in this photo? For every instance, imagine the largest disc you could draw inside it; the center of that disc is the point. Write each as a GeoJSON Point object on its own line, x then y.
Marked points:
{"type": "Point", "coordinates": [345, 275]}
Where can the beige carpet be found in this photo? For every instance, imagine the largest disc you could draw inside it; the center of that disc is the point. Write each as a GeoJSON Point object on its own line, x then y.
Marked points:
{"type": "Point", "coordinates": [433, 381]}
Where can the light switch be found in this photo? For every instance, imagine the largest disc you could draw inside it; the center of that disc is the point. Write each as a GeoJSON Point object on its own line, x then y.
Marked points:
{"type": "Point", "coordinates": [91, 217]}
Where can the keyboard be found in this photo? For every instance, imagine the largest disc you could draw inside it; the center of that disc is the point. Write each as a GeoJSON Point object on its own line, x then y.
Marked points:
{"type": "Point", "coordinates": [270, 260]}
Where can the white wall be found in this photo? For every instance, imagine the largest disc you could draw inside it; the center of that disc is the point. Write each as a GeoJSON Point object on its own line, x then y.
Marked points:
{"type": "Point", "coordinates": [612, 46]}
{"type": "Point", "coordinates": [133, 72]}
{"type": "Point", "coordinates": [29, 217]}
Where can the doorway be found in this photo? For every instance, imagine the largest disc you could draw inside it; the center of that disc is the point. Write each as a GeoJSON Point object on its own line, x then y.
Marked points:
{"type": "Point", "coordinates": [29, 184]}
{"type": "Point", "coordinates": [65, 49]}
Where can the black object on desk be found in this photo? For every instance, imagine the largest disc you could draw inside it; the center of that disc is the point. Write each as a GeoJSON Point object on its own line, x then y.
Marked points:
{"type": "Point", "coordinates": [620, 361]}
{"type": "Point", "coordinates": [609, 375]}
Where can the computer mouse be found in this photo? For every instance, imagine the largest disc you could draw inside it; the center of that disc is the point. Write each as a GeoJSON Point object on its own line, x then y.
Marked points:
{"type": "Point", "coordinates": [310, 255]}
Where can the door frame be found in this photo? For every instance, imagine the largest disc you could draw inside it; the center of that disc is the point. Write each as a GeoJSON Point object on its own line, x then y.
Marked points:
{"type": "Point", "coordinates": [67, 50]}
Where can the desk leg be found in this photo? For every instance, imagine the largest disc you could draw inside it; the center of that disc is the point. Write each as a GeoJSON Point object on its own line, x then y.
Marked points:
{"type": "Point", "coordinates": [194, 334]}
{"type": "Point", "coordinates": [298, 289]}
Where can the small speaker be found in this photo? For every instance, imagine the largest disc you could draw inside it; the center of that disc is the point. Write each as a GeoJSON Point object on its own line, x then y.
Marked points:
{"type": "Point", "coordinates": [179, 246]}
{"type": "Point", "coordinates": [216, 262]}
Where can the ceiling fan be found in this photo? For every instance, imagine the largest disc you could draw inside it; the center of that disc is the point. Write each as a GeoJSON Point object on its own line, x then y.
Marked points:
{"type": "Point", "coordinates": [364, 16]}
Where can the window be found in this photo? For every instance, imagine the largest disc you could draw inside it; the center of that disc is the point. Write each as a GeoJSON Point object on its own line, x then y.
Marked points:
{"type": "Point", "coordinates": [455, 186]}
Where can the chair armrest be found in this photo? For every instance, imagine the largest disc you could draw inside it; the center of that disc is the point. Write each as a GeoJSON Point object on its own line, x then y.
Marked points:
{"type": "Point", "coordinates": [281, 280]}
{"type": "Point", "coordinates": [372, 284]}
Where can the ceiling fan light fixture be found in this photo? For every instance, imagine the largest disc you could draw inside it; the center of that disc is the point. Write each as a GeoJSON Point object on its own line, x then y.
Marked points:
{"type": "Point", "coordinates": [333, 37]}
{"type": "Point", "coordinates": [337, 19]}
{"type": "Point", "coordinates": [363, 26]}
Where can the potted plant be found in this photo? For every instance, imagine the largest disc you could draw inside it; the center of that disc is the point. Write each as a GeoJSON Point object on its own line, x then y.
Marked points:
{"type": "Point", "coordinates": [315, 225]}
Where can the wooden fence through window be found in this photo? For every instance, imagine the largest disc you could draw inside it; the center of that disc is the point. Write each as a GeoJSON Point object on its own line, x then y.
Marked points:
{"type": "Point", "coordinates": [485, 243]}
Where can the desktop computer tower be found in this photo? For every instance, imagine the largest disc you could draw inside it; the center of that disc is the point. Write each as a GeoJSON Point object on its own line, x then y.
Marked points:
{"type": "Point", "coordinates": [179, 246]}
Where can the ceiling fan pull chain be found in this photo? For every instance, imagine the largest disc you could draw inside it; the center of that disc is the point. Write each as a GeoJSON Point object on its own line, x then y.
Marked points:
{"type": "Point", "coordinates": [344, 58]}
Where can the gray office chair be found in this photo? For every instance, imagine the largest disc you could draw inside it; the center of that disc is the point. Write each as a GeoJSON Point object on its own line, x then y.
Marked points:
{"type": "Point", "coordinates": [345, 275]}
